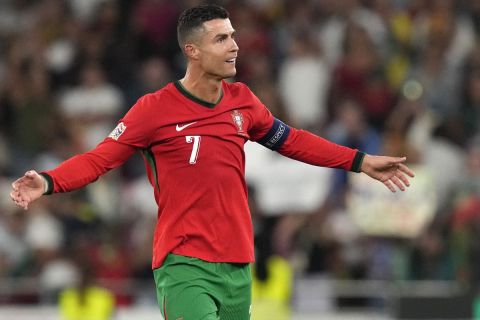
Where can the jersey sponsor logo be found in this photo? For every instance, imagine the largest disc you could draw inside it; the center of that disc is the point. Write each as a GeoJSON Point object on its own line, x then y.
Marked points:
{"type": "Point", "coordinates": [118, 131]}
{"type": "Point", "coordinates": [180, 128]}
{"type": "Point", "coordinates": [237, 118]}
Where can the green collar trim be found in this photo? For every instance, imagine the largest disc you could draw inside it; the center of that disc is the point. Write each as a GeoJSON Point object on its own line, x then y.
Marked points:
{"type": "Point", "coordinates": [190, 96]}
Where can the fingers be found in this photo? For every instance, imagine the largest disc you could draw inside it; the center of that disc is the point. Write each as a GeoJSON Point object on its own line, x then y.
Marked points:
{"type": "Point", "coordinates": [18, 200]}
{"type": "Point", "coordinates": [396, 160]}
{"type": "Point", "coordinates": [28, 175]}
{"type": "Point", "coordinates": [389, 185]}
{"type": "Point", "coordinates": [393, 173]}
{"type": "Point", "coordinates": [17, 183]}
{"type": "Point", "coordinates": [393, 183]}
{"type": "Point", "coordinates": [18, 195]}
{"type": "Point", "coordinates": [31, 173]}
{"type": "Point", "coordinates": [14, 196]}
{"type": "Point", "coordinates": [398, 183]}
{"type": "Point", "coordinates": [406, 169]}
{"type": "Point", "coordinates": [402, 177]}
{"type": "Point", "coordinates": [399, 180]}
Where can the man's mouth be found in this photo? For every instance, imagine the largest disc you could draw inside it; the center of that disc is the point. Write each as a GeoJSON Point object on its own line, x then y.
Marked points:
{"type": "Point", "coordinates": [232, 61]}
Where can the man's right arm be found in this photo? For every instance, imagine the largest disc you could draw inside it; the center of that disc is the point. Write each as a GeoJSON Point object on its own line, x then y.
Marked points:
{"type": "Point", "coordinates": [72, 174]}
{"type": "Point", "coordinates": [83, 169]}
{"type": "Point", "coordinates": [132, 133]}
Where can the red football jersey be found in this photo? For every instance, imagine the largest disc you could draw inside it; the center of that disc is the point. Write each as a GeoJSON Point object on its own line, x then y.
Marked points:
{"type": "Point", "coordinates": [195, 162]}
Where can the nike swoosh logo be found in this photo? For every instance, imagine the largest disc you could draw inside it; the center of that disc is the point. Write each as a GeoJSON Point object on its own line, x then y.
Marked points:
{"type": "Point", "coordinates": [180, 128]}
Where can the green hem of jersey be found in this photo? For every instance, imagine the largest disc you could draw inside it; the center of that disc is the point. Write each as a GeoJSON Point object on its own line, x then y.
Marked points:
{"type": "Point", "coordinates": [190, 96]}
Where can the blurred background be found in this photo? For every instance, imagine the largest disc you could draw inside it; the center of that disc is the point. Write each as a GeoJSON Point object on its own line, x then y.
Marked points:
{"type": "Point", "coordinates": [396, 77]}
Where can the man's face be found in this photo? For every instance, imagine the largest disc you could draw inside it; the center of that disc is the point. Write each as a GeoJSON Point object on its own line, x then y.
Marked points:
{"type": "Point", "coordinates": [217, 49]}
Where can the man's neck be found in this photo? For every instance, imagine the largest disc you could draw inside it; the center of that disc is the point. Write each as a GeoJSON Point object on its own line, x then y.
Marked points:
{"type": "Point", "coordinates": [201, 86]}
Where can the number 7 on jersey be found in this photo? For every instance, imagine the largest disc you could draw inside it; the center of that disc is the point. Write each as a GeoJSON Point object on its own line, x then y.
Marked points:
{"type": "Point", "coordinates": [195, 149]}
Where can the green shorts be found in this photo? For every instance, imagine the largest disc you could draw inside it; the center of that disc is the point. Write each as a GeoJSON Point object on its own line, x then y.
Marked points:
{"type": "Point", "coordinates": [193, 289]}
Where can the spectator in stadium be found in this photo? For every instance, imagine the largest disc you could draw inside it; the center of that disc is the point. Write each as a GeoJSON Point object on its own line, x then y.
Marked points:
{"type": "Point", "coordinates": [86, 300]}
{"type": "Point", "coordinates": [192, 134]}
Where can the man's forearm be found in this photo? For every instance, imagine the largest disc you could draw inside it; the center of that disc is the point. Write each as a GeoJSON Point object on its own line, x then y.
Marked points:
{"type": "Point", "coordinates": [83, 169]}
{"type": "Point", "coordinates": [306, 147]}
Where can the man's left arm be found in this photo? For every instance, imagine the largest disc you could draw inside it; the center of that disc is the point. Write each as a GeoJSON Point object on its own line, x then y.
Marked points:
{"type": "Point", "coordinates": [306, 147]}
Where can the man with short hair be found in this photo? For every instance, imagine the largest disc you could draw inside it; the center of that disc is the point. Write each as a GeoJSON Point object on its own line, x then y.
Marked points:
{"type": "Point", "coordinates": [191, 134]}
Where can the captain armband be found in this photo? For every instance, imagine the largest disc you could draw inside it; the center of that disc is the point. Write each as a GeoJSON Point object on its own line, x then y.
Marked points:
{"type": "Point", "coordinates": [276, 136]}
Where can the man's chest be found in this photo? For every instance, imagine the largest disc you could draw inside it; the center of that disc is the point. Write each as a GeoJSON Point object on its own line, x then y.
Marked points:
{"type": "Point", "coordinates": [202, 138]}
{"type": "Point", "coordinates": [227, 123]}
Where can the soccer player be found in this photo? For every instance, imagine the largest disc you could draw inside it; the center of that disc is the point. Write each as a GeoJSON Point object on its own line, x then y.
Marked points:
{"type": "Point", "coordinates": [191, 134]}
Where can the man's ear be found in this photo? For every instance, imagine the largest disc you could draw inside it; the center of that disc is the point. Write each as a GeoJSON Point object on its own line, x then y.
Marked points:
{"type": "Point", "coordinates": [191, 51]}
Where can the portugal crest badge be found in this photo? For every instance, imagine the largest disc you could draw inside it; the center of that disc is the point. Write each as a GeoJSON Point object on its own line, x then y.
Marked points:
{"type": "Point", "coordinates": [237, 118]}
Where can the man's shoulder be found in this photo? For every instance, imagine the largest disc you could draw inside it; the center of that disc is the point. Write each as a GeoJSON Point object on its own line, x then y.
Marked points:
{"type": "Point", "coordinates": [155, 97]}
{"type": "Point", "coordinates": [162, 92]}
{"type": "Point", "coordinates": [237, 88]}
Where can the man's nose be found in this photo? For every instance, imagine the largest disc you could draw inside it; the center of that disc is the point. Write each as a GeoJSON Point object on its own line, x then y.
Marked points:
{"type": "Point", "coordinates": [234, 45]}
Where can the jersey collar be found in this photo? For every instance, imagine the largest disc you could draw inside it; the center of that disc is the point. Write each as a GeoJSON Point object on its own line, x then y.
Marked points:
{"type": "Point", "coordinates": [190, 96]}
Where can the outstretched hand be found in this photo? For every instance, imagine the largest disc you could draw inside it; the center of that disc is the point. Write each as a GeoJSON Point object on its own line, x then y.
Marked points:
{"type": "Point", "coordinates": [390, 171]}
{"type": "Point", "coordinates": [27, 189]}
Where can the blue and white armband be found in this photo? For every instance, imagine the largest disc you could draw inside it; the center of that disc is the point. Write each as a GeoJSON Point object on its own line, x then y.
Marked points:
{"type": "Point", "coordinates": [276, 136]}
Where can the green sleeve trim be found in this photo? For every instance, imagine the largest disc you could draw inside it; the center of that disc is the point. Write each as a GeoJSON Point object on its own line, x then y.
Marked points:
{"type": "Point", "coordinates": [49, 183]}
{"type": "Point", "coordinates": [357, 162]}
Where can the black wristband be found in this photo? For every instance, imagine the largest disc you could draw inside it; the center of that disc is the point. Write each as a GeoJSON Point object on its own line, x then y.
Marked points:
{"type": "Point", "coordinates": [357, 162]}
{"type": "Point", "coordinates": [49, 183]}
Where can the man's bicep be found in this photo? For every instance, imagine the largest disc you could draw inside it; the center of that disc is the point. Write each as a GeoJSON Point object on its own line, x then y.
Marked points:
{"type": "Point", "coordinates": [111, 154]}
{"type": "Point", "coordinates": [138, 125]}
{"type": "Point", "coordinates": [267, 130]}
{"type": "Point", "coordinates": [264, 127]}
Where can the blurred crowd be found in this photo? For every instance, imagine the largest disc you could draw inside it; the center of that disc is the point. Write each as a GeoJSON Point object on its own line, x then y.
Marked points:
{"type": "Point", "coordinates": [397, 77]}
